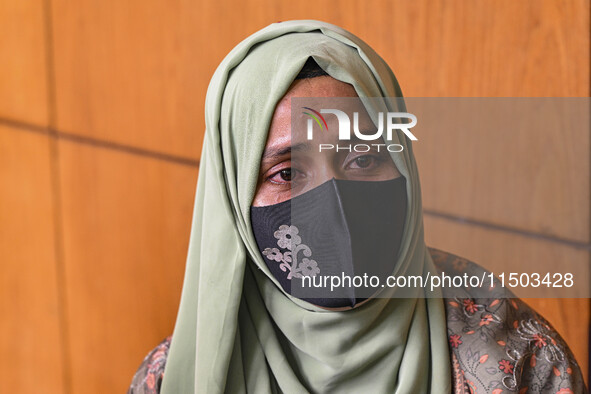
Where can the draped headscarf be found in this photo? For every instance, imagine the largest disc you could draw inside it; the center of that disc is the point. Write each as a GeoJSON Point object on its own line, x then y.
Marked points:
{"type": "Point", "coordinates": [237, 331]}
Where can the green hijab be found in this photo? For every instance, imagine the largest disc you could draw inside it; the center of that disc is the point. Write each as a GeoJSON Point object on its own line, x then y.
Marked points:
{"type": "Point", "coordinates": [237, 331]}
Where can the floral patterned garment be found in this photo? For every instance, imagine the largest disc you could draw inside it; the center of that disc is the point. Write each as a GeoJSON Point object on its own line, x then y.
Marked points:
{"type": "Point", "coordinates": [148, 378]}
{"type": "Point", "coordinates": [497, 345]}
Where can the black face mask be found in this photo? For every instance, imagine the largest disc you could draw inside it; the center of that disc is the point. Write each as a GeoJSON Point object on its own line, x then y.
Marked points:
{"type": "Point", "coordinates": [340, 228]}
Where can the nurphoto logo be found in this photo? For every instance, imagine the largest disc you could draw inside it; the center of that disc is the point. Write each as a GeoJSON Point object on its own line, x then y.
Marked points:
{"type": "Point", "coordinates": [393, 121]}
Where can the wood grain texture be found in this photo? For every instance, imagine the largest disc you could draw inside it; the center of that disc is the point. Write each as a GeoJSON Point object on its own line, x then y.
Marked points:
{"type": "Point", "coordinates": [515, 253]}
{"type": "Point", "coordinates": [126, 230]}
{"type": "Point", "coordinates": [23, 72]}
{"type": "Point", "coordinates": [513, 162]}
{"type": "Point", "coordinates": [30, 339]}
{"type": "Point", "coordinates": [132, 72]}
{"type": "Point", "coordinates": [138, 74]}
{"type": "Point", "coordinates": [482, 48]}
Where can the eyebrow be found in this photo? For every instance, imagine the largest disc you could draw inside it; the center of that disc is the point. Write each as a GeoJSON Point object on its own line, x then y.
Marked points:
{"type": "Point", "coordinates": [273, 153]}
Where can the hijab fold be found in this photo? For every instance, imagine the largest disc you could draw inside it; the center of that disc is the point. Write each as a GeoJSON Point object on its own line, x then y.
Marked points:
{"type": "Point", "coordinates": [237, 331]}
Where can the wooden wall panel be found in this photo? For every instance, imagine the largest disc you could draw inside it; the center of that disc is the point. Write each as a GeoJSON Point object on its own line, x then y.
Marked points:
{"type": "Point", "coordinates": [138, 74]}
{"type": "Point", "coordinates": [132, 73]}
{"type": "Point", "coordinates": [449, 48]}
{"type": "Point", "coordinates": [492, 248]}
{"type": "Point", "coordinates": [135, 73]}
{"type": "Point", "coordinates": [30, 339]}
{"type": "Point", "coordinates": [512, 162]}
{"type": "Point", "coordinates": [23, 72]}
{"type": "Point", "coordinates": [126, 230]}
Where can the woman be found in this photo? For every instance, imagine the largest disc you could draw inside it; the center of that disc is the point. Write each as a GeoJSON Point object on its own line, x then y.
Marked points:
{"type": "Point", "coordinates": [241, 327]}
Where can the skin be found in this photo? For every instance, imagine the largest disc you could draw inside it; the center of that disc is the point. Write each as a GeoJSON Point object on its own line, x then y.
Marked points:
{"type": "Point", "coordinates": [283, 176]}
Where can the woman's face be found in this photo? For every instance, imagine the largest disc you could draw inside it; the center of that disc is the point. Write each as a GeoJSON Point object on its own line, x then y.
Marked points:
{"type": "Point", "coordinates": [283, 175]}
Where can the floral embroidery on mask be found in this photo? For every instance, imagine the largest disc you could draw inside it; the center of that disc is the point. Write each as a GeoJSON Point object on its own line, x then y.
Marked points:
{"type": "Point", "coordinates": [296, 260]}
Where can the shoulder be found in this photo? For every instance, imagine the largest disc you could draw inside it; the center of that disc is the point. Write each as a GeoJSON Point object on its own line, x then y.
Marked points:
{"type": "Point", "coordinates": [498, 343]}
{"type": "Point", "coordinates": [148, 378]}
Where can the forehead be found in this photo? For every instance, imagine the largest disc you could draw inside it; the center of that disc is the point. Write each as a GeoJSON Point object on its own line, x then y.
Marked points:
{"type": "Point", "coordinates": [324, 86]}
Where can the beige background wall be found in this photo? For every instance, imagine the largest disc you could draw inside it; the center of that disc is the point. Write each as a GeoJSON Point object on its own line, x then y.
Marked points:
{"type": "Point", "coordinates": [101, 125]}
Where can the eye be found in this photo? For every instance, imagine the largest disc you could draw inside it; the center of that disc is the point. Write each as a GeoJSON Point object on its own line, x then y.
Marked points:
{"type": "Point", "coordinates": [283, 176]}
{"type": "Point", "coordinates": [363, 161]}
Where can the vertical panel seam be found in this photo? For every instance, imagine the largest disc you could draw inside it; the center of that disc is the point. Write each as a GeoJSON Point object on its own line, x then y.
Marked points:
{"type": "Point", "coordinates": [57, 201]}
{"type": "Point", "coordinates": [589, 163]}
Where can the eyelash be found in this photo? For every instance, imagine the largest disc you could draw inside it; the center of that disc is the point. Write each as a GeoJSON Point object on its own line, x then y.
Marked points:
{"type": "Point", "coordinates": [276, 173]}
{"type": "Point", "coordinates": [377, 160]}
